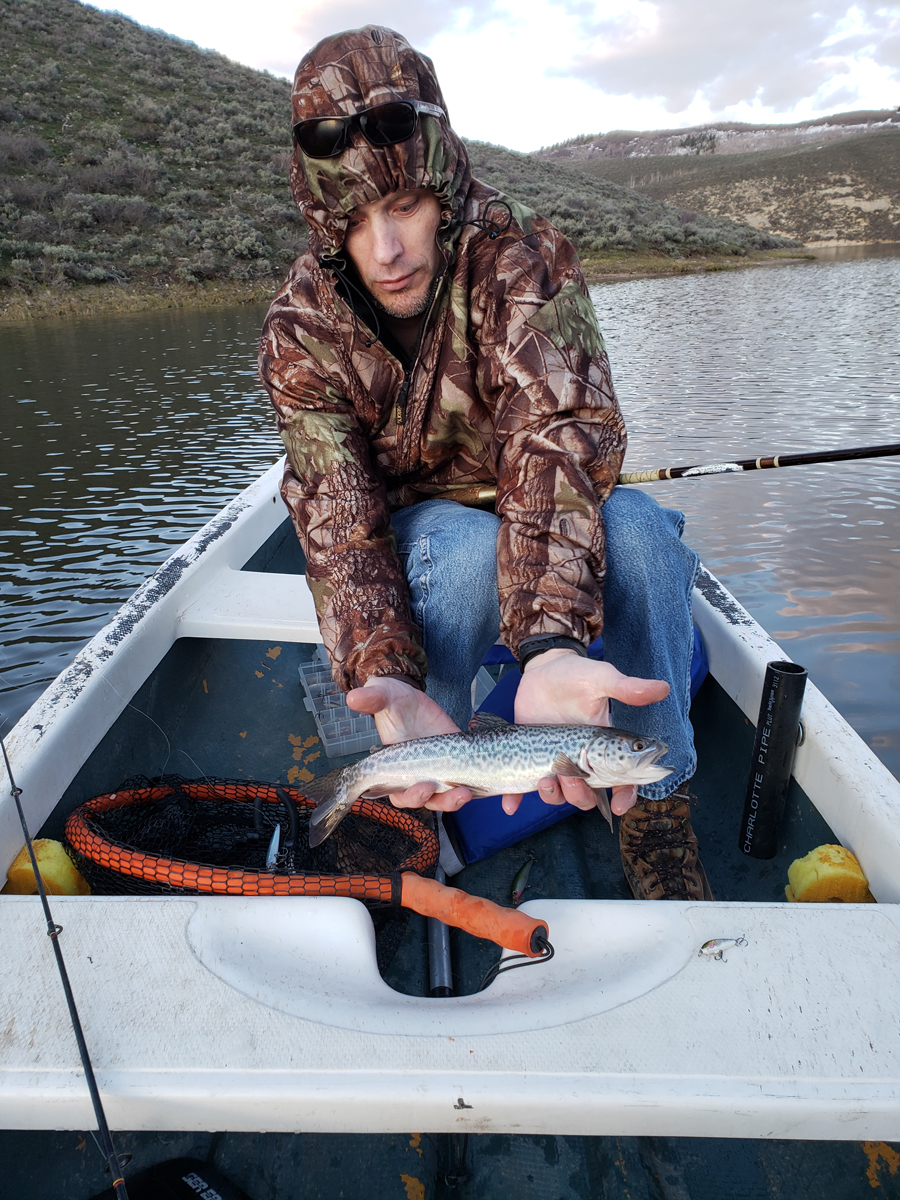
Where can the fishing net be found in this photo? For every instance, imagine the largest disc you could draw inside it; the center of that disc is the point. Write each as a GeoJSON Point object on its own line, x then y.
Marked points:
{"type": "Point", "coordinates": [214, 836]}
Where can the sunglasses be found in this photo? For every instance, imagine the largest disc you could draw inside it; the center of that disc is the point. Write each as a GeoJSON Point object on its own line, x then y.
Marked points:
{"type": "Point", "coordinates": [383, 125]}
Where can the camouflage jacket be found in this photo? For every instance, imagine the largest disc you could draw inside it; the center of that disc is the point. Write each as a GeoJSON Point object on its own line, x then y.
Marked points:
{"type": "Point", "coordinates": [511, 386]}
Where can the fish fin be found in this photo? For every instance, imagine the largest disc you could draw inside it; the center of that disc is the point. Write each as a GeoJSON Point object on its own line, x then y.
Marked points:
{"type": "Point", "coordinates": [488, 722]}
{"type": "Point", "coordinates": [379, 790]}
{"type": "Point", "coordinates": [322, 786]}
{"type": "Point", "coordinates": [326, 818]}
{"type": "Point", "coordinates": [563, 765]}
{"type": "Point", "coordinates": [603, 805]}
{"type": "Point", "coordinates": [478, 793]}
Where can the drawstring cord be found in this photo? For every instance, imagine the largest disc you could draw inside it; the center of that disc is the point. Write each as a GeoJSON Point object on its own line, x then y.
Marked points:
{"type": "Point", "coordinates": [489, 226]}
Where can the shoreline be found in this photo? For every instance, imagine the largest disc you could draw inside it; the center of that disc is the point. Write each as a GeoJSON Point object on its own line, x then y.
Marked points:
{"type": "Point", "coordinates": [610, 268]}
{"type": "Point", "coordinates": [88, 300]}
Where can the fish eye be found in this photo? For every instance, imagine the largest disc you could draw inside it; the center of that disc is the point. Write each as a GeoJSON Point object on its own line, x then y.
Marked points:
{"type": "Point", "coordinates": [638, 745]}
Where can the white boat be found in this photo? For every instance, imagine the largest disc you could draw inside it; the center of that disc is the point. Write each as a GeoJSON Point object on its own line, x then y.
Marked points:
{"type": "Point", "coordinates": [254, 1013]}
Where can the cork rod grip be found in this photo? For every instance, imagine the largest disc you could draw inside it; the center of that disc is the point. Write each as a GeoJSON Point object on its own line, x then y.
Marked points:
{"type": "Point", "coordinates": [506, 926]}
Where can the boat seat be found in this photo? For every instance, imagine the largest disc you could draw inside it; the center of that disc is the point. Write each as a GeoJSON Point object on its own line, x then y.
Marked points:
{"type": "Point", "coordinates": [605, 955]}
{"type": "Point", "coordinates": [252, 606]}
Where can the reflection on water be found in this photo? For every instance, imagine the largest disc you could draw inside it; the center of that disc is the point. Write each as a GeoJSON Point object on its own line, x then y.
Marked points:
{"type": "Point", "coordinates": [851, 253]}
{"type": "Point", "coordinates": [782, 359]}
{"type": "Point", "coordinates": [120, 436]}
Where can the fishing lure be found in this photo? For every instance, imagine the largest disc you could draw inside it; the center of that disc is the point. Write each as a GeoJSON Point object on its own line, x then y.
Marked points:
{"type": "Point", "coordinates": [274, 847]}
{"type": "Point", "coordinates": [716, 947]}
{"type": "Point", "coordinates": [279, 857]}
{"type": "Point", "coordinates": [520, 883]}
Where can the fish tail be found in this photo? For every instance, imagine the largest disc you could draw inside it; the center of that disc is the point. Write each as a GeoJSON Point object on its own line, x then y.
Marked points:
{"type": "Point", "coordinates": [322, 787]}
{"type": "Point", "coordinates": [332, 805]}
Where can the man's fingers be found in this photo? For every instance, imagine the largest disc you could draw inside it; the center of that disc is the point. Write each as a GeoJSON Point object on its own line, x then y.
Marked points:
{"type": "Point", "coordinates": [572, 790]}
{"type": "Point", "coordinates": [423, 795]}
{"type": "Point", "coordinates": [415, 796]}
{"type": "Point", "coordinates": [550, 791]}
{"type": "Point", "coordinates": [637, 692]}
{"type": "Point", "coordinates": [400, 710]}
{"type": "Point", "coordinates": [567, 690]}
{"type": "Point", "coordinates": [623, 798]}
{"type": "Point", "coordinates": [577, 792]}
{"type": "Point", "coordinates": [369, 700]}
{"type": "Point", "coordinates": [449, 801]}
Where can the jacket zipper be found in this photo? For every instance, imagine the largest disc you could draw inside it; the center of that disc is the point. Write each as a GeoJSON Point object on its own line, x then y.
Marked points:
{"type": "Point", "coordinates": [400, 404]}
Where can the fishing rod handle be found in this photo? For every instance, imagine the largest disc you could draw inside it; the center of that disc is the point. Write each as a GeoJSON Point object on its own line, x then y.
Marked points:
{"type": "Point", "coordinates": [641, 476]}
{"type": "Point", "coordinates": [508, 927]}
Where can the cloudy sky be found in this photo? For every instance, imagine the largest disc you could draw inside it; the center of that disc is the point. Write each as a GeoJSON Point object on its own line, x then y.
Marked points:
{"type": "Point", "coordinates": [527, 73]}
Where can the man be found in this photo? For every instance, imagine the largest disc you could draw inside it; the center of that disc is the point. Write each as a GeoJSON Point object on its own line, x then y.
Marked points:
{"type": "Point", "coordinates": [436, 342]}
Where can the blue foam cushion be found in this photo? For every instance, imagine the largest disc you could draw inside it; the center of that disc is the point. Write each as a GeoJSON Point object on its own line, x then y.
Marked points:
{"type": "Point", "coordinates": [481, 827]}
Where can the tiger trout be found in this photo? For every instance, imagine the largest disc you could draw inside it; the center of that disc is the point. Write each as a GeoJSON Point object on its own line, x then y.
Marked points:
{"type": "Point", "coordinates": [493, 758]}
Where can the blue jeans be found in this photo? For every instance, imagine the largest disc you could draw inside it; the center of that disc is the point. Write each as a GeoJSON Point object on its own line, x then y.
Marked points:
{"type": "Point", "coordinates": [450, 554]}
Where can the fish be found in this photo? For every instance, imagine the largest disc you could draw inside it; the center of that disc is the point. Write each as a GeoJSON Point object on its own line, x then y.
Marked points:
{"type": "Point", "coordinates": [493, 758]}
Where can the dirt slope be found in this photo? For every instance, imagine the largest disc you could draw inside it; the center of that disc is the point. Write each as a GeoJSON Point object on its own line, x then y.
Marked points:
{"type": "Point", "coordinates": [847, 190]}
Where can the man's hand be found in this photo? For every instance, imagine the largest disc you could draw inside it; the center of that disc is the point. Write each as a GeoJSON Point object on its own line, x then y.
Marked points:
{"type": "Point", "coordinates": [402, 713]}
{"type": "Point", "coordinates": [559, 687]}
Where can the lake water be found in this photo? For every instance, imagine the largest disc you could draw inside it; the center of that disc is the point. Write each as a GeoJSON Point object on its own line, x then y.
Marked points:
{"type": "Point", "coordinates": [121, 435]}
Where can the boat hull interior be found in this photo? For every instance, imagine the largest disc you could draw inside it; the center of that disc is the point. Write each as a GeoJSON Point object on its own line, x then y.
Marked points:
{"type": "Point", "coordinates": [630, 1066]}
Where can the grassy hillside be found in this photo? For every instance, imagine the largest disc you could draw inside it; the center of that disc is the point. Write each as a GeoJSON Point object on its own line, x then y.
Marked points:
{"type": "Point", "coordinates": [128, 155]}
{"type": "Point", "coordinates": [846, 190]}
{"type": "Point", "coordinates": [720, 137]}
{"type": "Point", "coordinates": [133, 162]}
{"type": "Point", "coordinates": [598, 215]}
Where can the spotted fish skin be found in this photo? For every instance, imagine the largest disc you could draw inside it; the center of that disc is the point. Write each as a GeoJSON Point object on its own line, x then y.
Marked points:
{"type": "Point", "coordinates": [494, 757]}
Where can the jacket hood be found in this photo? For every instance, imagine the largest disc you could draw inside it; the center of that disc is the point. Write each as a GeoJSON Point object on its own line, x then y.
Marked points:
{"type": "Point", "coordinates": [343, 75]}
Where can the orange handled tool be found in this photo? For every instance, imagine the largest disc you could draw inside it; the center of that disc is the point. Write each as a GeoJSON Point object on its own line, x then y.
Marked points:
{"type": "Point", "coordinates": [106, 835]}
{"type": "Point", "coordinates": [508, 927]}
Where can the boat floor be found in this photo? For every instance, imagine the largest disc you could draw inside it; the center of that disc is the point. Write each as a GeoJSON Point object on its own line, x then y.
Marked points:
{"type": "Point", "coordinates": [278, 1166]}
{"type": "Point", "coordinates": [234, 709]}
{"type": "Point", "coordinates": [185, 720]}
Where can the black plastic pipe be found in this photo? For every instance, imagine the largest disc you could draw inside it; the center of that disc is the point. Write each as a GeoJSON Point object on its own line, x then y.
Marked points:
{"type": "Point", "coordinates": [440, 971]}
{"type": "Point", "coordinates": [777, 736]}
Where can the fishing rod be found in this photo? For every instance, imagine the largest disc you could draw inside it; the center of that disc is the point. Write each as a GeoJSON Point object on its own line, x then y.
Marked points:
{"type": "Point", "coordinates": [487, 493]}
{"type": "Point", "coordinates": [761, 464]}
{"type": "Point", "coordinates": [53, 932]}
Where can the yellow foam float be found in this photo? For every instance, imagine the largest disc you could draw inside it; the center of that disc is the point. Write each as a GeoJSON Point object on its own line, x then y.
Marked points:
{"type": "Point", "coordinates": [59, 873]}
{"type": "Point", "coordinates": [830, 875]}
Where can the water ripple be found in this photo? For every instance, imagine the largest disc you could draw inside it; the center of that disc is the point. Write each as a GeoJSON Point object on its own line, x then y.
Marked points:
{"type": "Point", "coordinates": [121, 436]}
{"type": "Point", "coordinates": [788, 359]}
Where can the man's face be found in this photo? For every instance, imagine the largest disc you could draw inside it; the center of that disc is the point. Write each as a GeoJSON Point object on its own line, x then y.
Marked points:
{"type": "Point", "coordinates": [392, 244]}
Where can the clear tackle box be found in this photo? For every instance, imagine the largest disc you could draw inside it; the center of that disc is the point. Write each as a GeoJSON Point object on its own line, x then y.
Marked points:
{"type": "Point", "coordinates": [341, 730]}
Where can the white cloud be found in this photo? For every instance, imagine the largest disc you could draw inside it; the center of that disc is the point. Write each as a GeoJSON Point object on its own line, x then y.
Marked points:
{"type": "Point", "coordinates": [510, 76]}
{"type": "Point", "coordinates": [777, 53]}
{"type": "Point", "coordinates": [275, 36]}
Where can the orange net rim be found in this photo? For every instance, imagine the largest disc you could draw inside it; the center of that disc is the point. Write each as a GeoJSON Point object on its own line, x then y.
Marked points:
{"type": "Point", "coordinates": [182, 874]}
